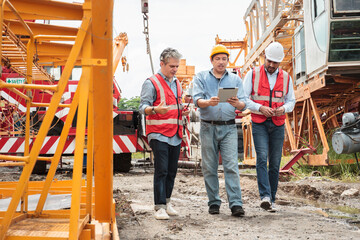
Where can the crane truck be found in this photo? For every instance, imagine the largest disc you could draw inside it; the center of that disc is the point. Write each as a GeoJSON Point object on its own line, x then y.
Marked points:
{"type": "Point", "coordinates": [126, 137]}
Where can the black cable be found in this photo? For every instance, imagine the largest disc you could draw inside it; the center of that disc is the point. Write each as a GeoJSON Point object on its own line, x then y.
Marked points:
{"type": "Point", "coordinates": [357, 162]}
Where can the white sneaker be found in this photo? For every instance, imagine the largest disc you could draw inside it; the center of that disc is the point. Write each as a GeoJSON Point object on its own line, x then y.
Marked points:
{"type": "Point", "coordinates": [170, 210]}
{"type": "Point", "coordinates": [161, 214]}
{"type": "Point", "coordinates": [265, 203]}
{"type": "Point", "coordinates": [273, 208]}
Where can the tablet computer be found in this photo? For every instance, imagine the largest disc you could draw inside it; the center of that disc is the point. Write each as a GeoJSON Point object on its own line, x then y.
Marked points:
{"type": "Point", "coordinates": [226, 93]}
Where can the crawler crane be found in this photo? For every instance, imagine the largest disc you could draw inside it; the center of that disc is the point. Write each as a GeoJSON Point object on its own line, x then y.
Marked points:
{"type": "Point", "coordinates": [322, 53]}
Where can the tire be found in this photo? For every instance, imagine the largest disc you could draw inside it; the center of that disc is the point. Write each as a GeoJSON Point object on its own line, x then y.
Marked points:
{"type": "Point", "coordinates": [122, 162]}
{"type": "Point", "coordinates": [40, 167]}
{"type": "Point", "coordinates": [240, 141]}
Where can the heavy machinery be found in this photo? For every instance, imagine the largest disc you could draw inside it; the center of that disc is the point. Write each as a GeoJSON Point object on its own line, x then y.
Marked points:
{"type": "Point", "coordinates": [26, 47]}
{"type": "Point", "coordinates": [347, 138]}
{"type": "Point", "coordinates": [126, 124]}
{"type": "Point", "coordinates": [321, 42]}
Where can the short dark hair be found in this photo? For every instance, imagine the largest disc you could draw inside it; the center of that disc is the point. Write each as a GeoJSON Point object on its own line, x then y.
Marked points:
{"type": "Point", "coordinates": [169, 53]}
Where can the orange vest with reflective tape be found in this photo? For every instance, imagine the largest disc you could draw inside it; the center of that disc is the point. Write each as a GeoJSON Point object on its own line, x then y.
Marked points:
{"type": "Point", "coordinates": [261, 94]}
{"type": "Point", "coordinates": [170, 123]}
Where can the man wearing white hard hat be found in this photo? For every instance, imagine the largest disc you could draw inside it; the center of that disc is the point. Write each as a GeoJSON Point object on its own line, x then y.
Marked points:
{"type": "Point", "coordinates": [270, 94]}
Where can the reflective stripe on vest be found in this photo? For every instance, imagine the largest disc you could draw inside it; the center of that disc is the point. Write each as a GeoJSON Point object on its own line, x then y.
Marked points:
{"type": "Point", "coordinates": [165, 121]}
{"type": "Point", "coordinates": [161, 89]}
{"type": "Point", "coordinates": [256, 96]}
{"type": "Point", "coordinates": [162, 93]}
{"type": "Point", "coordinates": [281, 85]}
{"type": "Point", "coordinates": [170, 123]}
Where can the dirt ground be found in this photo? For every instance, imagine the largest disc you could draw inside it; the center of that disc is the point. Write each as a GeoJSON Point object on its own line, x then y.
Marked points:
{"type": "Point", "coordinates": [310, 208]}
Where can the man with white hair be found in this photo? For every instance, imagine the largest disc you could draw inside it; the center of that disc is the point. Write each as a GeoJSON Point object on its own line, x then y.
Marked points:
{"type": "Point", "coordinates": [270, 94]}
{"type": "Point", "coordinates": [161, 102]}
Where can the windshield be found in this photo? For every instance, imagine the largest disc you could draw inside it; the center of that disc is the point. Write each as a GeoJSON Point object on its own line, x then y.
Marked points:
{"type": "Point", "coordinates": [344, 41]}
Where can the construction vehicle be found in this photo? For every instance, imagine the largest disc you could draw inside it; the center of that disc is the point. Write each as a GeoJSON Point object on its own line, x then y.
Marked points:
{"type": "Point", "coordinates": [321, 42]}
{"type": "Point", "coordinates": [125, 122]}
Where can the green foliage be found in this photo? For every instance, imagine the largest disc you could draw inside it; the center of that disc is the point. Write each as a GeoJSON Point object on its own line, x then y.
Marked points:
{"type": "Point", "coordinates": [129, 104]}
{"type": "Point", "coordinates": [342, 171]}
{"type": "Point", "coordinates": [140, 155]}
{"type": "Point", "coordinates": [339, 167]}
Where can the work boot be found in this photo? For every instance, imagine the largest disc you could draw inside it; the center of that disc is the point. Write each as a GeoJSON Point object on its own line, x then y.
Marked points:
{"type": "Point", "coordinates": [161, 214]}
{"type": "Point", "coordinates": [237, 211]}
{"type": "Point", "coordinates": [214, 209]}
{"type": "Point", "coordinates": [265, 203]}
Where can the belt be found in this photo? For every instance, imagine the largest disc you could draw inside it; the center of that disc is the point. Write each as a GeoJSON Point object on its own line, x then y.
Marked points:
{"type": "Point", "coordinates": [220, 122]}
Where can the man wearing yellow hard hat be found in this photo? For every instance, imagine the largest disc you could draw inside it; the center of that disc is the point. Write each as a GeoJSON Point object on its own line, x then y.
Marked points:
{"type": "Point", "coordinates": [218, 132]}
{"type": "Point", "coordinates": [270, 95]}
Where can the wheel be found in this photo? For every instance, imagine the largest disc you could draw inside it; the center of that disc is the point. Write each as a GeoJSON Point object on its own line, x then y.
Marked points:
{"type": "Point", "coordinates": [240, 141]}
{"type": "Point", "coordinates": [122, 162]}
{"type": "Point", "coordinates": [40, 167]}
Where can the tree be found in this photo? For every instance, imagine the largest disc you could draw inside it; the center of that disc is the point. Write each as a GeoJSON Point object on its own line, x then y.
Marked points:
{"type": "Point", "coordinates": [129, 104]}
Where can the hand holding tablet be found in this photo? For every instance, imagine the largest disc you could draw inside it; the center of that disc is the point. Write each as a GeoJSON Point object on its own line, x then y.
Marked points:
{"type": "Point", "coordinates": [225, 93]}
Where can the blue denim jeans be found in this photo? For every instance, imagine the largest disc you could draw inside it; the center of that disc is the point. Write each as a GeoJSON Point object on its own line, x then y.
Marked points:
{"type": "Point", "coordinates": [223, 139]}
{"type": "Point", "coordinates": [165, 163]}
{"type": "Point", "coordinates": [268, 141]}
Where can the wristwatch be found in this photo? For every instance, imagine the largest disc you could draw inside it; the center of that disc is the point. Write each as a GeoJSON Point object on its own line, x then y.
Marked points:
{"type": "Point", "coordinates": [153, 110]}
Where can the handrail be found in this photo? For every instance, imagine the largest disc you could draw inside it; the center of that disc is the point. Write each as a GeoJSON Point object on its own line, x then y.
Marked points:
{"type": "Point", "coordinates": [4, 84]}
{"type": "Point", "coordinates": [34, 104]}
{"type": "Point", "coordinates": [15, 158]}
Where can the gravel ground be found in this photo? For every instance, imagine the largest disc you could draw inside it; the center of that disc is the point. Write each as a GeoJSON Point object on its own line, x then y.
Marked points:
{"type": "Point", "coordinates": [310, 208]}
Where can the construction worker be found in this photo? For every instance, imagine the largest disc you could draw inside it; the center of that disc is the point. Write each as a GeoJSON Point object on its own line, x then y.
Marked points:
{"type": "Point", "coordinates": [270, 95]}
{"type": "Point", "coordinates": [218, 133]}
{"type": "Point", "coordinates": [161, 102]}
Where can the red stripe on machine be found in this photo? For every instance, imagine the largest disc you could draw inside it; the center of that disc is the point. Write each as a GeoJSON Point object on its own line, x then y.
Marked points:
{"type": "Point", "coordinates": [16, 145]}
{"type": "Point", "coordinates": [49, 143]}
{"type": "Point", "coordinates": [121, 144]}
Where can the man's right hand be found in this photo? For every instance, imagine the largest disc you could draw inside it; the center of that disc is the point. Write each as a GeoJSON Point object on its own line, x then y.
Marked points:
{"type": "Point", "coordinates": [161, 109]}
{"type": "Point", "coordinates": [213, 101]}
{"type": "Point", "coordinates": [267, 111]}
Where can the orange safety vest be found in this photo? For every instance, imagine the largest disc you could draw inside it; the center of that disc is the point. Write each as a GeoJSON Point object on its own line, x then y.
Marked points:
{"type": "Point", "coordinates": [170, 123]}
{"type": "Point", "coordinates": [261, 94]}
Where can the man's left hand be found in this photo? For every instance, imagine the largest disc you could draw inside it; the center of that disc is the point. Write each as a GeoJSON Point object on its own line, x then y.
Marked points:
{"type": "Point", "coordinates": [279, 111]}
{"type": "Point", "coordinates": [234, 101]}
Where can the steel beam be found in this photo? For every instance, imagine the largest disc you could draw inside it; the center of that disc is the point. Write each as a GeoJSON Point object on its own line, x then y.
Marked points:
{"type": "Point", "coordinates": [103, 123]}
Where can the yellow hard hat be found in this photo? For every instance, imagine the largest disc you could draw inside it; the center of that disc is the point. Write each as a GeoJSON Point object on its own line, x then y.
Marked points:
{"type": "Point", "coordinates": [219, 49]}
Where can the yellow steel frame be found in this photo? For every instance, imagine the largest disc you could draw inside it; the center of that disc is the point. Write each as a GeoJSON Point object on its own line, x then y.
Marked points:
{"type": "Point", "coordinates": [102, 100]}
{"type": "Point", "coordinates": [241, 45]}
{"type": "Point", "coordinates": [92, 101]}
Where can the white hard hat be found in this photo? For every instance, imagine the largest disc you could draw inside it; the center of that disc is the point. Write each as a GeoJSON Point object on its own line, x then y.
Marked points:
{"type": "Point", "coordinates": [274, 52]}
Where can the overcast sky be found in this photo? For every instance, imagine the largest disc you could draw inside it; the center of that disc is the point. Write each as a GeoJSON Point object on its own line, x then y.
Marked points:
{"type": "Point", "coordinates": [190, 26]}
